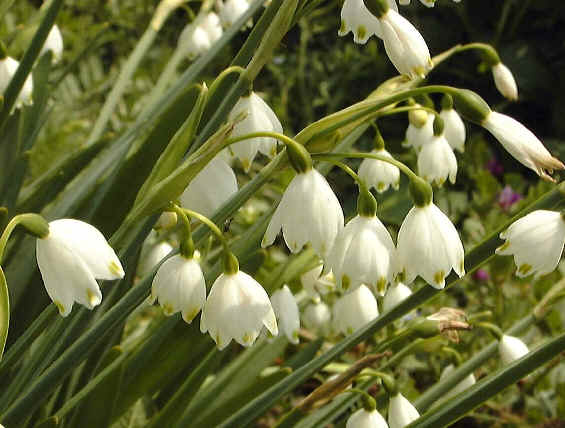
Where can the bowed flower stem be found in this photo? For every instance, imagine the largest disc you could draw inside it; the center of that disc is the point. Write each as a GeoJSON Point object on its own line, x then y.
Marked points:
{"type": "Point", "coordinates": [33, 223]}
{"type": "Point", "coordinates": [187, 244]}
{"type": "Point", "coordinates": [234, 69]}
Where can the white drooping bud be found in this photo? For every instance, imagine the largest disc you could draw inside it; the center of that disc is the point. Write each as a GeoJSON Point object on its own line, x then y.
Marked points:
{"type": "Point", "coordinates": [309, 212]}
{"type": "Point", "coordinates": [8, 67]}
{"type": "Point", "coordinates": [366, 419]}
{"type": "Point", "coordinates": [71, 258]}
{"type": "Point", "coordinates": [395, 294]}
{"type": "Point", "coordinates": [454, 130]}
{"type": "Point", "coordinates": [521, 143]}
{"type": "Point", "coordinates": [53, 43]}
{"type": "Point", "coordinates": [354, 310]}
{"type": "Point", "coordinates": [467, 382]}
{"type": "Point", "coordinates": [199, 196]}
{"type": "Point", "coordinates": [286, 311]}
{"type": "Point", "coordinates": [429, 245]}
{"type": "Point", "coordinates": [436, 161]}
{"type": "Point", "coordinates": [404, 45]}
{"type": "Point", "coordinates": [379, 174]}
{"type": "Point", "coordinates": [231, 10]}
{"type": "Point", "coordinates": [237, 308]}
{"type": "Point", "coordinates": [401, 412]}
{"type": "Point", "coordinates": [541, 229]}
{"type": "Point", "coordinates": [362, 254]}
{"type": "Point", "coordinates": [317, 317]}
{"type": "Point", "coordinates": [504, 81]}
{"type": "Point", "coordinates": [257, 117]}
{"type": "Point", "coordinates": [511, 348]}
{"type": "Point", "coordinates": [179, 286]}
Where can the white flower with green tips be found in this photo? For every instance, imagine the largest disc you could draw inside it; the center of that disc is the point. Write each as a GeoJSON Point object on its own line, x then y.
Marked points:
{"type": "Point", "coordinates": [436, 161]}
{"type": "Point", "coordinates": [315, 283]}
{"type": "Point", "coordinates": [536, 241]}
{"type": "Point", "coordinates": [286, 312]}
{"type": "Point", "coordinates": [237, 308]}
{"type": "Point", "coordinates": [179, 286]}
{"type": "Point", "coordinates": [71, 258]}
{"type": "Point", "coordinates": [429, 246]}
{"type": "Point", "coordinates": [379, 174]}
{"type": "Point", "coordinates": [354, 310]}
{"type": "Point", "coordinates": [355, 17]}
{"type": "Point", "coordinates": [255, 116]}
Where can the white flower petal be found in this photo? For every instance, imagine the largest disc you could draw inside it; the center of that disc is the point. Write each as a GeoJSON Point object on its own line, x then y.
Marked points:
{"type": "Point", "coordinates": [401, 412]}
{"type": "Point", "coordinates": [454, 129]}
{"type": "Point", "coordinates": [511, 348]}
{"type": "Point", "coordinates": [437, 162]}
{"type": "Point", "coordinates": [365, 419]}
{"type": "Point", "coordinates": [354, 310]}
{"type": "Point", "coordinates": [286, 310]}
{"type": "Point", "coordinates": [504, 81]}
{"type": "Point", "coordinates": [379, 174]}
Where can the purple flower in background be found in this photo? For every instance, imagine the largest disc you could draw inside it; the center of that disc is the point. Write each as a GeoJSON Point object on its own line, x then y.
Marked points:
{"type": "Point", "coordinates": [481, 275]}
{"type": "Point", "coordinates": [495, 167]}
{"type": "Point", "coordinates": [508, 197]}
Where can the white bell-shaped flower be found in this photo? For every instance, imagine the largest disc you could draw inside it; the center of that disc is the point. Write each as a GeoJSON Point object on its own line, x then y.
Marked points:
{"type": "Point", "coordinates": [541, 230]}
{"type": "Point", "coordinates": [379, 174]}
{"type": "Point", "coordinates": [504, 81]}
{"type": "Point", "coordinates": [436, 161]}
{"type": "Point", "coordinates": [395, 294]}
{"type": "Point", "coordinates": [355, 17]}
{"type": "Point", "coordinates": [71, 258]}
{"type": "Point", "coordinates": [8, 67]}
{"type": "Point", "coordinates": [467, 382]}
{"type": "Point", "coordinates": [315, 283]}
{"type": "Point", "coordinates": [429, 246]}
{"type": "Point", "coordinates": [231, 10]}
{"type": "Point", "coordinates": [454, 130]}
{"type": "Point", "coordinates": [53, 43]}
{"type": "Point", "coordinates": [400, 411]}
{"type": "Point", "coordinates": [362, 254]}
{"type": "Point", "coordinates": [152, 252]}
{"type": "Point", "coordinates": [237, 308]}
{"type": "Point", "coordinates": [212, 25]}
{"type": "Point", "coordinates": [404, 45]}
{"type": "Point", "coordinates": [211, 188]}
{"type": "Point", "coordinates": [365, 419]}
{"type": "Point", "coordinates": [286, 311]}
{"type": "Point", "coordinates": [194, 41]}
{"type": "Point", "coordinates": [179, 286]}
{"type": "Point", "coordinates": [317, 317]}
{"type": "Point", "coordinates": [417, 136]}
{"type": "Point", "coordinates": [308, 212]}
{"type": "Point", "coordinates": [511, 348]}
{"type": "Point", "coordinates": [521, 143]}
{"type": "Point", "coordinates": [354, 310]}
{"type": "Point", "coordinates": [258, 118]}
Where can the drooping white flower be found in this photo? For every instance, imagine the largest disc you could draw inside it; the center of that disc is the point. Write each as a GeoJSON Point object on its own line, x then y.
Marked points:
{"type": "Point", "coordinates": [179, 286]}
{"type": "Point", "coordinates": [71, 258]}
{"type": "Point", "coordinates": [314, 282]}
{"type": "Point", "coordinates": [237, 308]}
{"type": "Point", "coordinates": [8, 67]}
{"type": "Point", "coordinates": [511, 348]}
{"type": "Point", "coordinates": [53, 43]}
{"type": "Point", "coordinates": [401, 412]}
{"type": "Point", "coordinates": [536, 241]}
{"type": "Point", "coordinates": [308, 212]}
{"type": "Point", "coordinates": [152, 252]}
{"type": "Point", "coordinates": [436, 161]}
{"type": "Point", "coordinates": [429, 246]}
{"type": "Point", "coordinates": [404, 45]}
{"type": "Point", "coordinates": [365, 419]}
{"type": "Point", "coordinates": [258, 117]}
{"type": "Point", "coordinates": [211, 188]}
{"type": "Point", "coordinates": [354, 310]}
{"type": "Point", "coordinates": [395, 294]}
{"type": "Point", "coordinates": [379, 174]}
{"type": "Point", "coordinates": [194, 40]}
{"type": "Point", "coordinates": [286, 311]}
{"type": "Point", "coordinates": [418, 136]}
{"type": "Point", "coordinates": [504, 81]}
{"type": "Point", "coordinates": [454, 130]}
{"type": "Point", "coordinates": [355, 17]}
{"type": "Point", "coordinates": [317, 317]}
{"type": "Point", "coordinates": [467, 382]}
{"type": "Point", "coordinates": [231, 10]}
{"type": "Point", "coordinates": [521, 143]}
{"type": "Point", "coordinates": [362, 254]}
{"type": "Point", "coordinates": [212, 25]}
